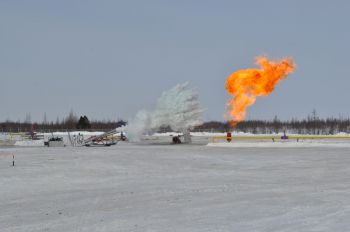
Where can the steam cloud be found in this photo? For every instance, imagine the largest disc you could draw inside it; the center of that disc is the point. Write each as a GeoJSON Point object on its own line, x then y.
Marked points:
{"type": "Point", "coordinates": [178, 108]}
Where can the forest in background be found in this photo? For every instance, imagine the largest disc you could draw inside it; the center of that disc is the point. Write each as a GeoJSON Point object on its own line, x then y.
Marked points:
{"type": "Point", "coordinates": [310, 125]}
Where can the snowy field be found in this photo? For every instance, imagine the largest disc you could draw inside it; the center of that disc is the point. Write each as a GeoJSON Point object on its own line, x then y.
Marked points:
{"type": "Point", "coordinates": [138, 187]}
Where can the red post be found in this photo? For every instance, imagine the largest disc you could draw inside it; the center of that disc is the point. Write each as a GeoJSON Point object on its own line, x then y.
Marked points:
{"type": "Point", "coordinates": [228, 136]}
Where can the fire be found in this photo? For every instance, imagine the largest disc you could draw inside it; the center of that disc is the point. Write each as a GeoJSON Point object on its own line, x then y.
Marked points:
{"type": "Point", "coordinates": [245, 85]}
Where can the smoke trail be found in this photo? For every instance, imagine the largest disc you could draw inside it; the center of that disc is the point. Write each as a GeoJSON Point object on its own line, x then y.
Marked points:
{"type": "Point", "coordinates": [178, 108]}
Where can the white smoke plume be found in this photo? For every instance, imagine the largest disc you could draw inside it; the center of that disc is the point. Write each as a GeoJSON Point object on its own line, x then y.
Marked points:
{"type": "Point", "coordinates": [178, 108]}
{"type": "Point", "coordinates": [138, 125]}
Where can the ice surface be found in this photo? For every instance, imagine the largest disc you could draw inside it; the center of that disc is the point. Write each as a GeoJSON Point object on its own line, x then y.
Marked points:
{"type": "Point", "coordinates": [133, 187]}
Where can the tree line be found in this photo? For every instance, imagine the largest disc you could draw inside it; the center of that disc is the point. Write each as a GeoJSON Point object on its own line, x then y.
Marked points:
{"type": "Point", "coordinates": [327, 126]}
{"type": "Point", "coordinates": [310, 125]}
{"type": "Point", "coordinates": [96, 125]}
{"type": "Point", "coordinates": [69, 123]}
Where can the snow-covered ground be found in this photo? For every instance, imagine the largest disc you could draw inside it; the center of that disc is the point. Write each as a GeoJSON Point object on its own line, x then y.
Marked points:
{"type": "Point", "coordinates": [283, 143]}
{"type": "Point", "coordinates": [72, 138]}
{"type": "Point", "coordinates": [19, 140]}
{"type": "Point", "coordinates": [143, 187]}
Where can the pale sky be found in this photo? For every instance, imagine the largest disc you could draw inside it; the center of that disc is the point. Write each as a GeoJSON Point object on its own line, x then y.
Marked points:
{"type": "Point", "coordinates": [109, 59]}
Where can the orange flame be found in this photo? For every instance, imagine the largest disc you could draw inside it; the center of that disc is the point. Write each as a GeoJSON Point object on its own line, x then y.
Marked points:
{"type": "Point", "coordinates": [245, 85]}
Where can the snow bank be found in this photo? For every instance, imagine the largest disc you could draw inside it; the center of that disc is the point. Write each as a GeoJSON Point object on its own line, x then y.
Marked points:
{"type": "Point", "coordinates": [30, 143]}
{"type": "Point", "coordinates": [20, 141]}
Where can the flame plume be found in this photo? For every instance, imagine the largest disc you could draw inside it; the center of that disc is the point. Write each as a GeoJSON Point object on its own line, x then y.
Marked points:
{"type": "Point", "coordinates": [245, 85]}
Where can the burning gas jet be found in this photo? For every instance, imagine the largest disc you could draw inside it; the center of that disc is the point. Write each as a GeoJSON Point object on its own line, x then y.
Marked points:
{"type": "Point", "coordinates": [245, 85]}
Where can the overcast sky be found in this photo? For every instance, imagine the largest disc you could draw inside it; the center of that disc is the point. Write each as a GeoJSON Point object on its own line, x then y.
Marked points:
{"type": "Point", "coordinates": [109, 59]}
